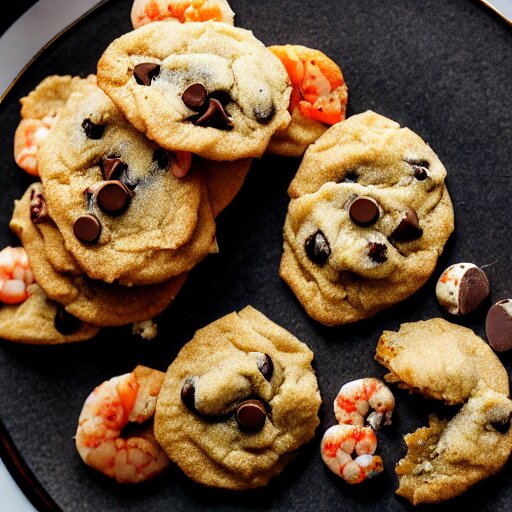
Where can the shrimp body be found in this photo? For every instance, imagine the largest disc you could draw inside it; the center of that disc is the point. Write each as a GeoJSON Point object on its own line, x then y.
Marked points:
{"type": "Point", "coordinates": [15, 275]}
{"type": "Point", "coordinates": [182, 11]}
{"type": "Point", "coordinates": [318, 87]}
{"type": "Point", "coordinates": [29, 136]}
{"type": "Point", "coordinates": [356, 398]}
{"type": "Point", "coordinates": [340, 442]}
{"type": "Point", "coordinates": [107, 410]}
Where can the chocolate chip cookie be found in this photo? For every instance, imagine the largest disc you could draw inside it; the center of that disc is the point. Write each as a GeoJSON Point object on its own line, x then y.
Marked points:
{"type": "Point", "coordinates": [207, 88]}
{"type": "Point", "coordinates": [368, 218]}
{"type": "Point", "coordinates": [237, 402]}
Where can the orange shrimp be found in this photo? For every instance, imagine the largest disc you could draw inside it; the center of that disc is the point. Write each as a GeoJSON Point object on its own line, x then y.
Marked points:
{"type": "Point", "coordinates": [319, 90]}
{"type": "Point", "coordinates": [15, 275]}
{"type": "Point", "coordinates": [147, 11]}
{"type": "Point", "coordinates": [29, 136]}
{"type": "Point", "coordinates": [108, 409]}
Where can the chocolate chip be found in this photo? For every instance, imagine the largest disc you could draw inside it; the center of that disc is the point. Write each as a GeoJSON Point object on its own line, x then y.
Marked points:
{"type": "Point", "coordinates": [65, 322]}
{"type": "Point", "coordinates": [420, 168]}
{"type": "Point", "coordinates": [265, 366]}
{"type": "Point", "coordinates": [145, 72]}
{"type": "Point", "coordinates": [503, 425]}
{"type": "Point", "coordinates": [498, 325]}
{"type": "Point", "coordinates": [408, 228]}
{"type": "Point", "coordinates": [251, 415]}
{"type": "Point", "coordinates": [264, 114]}
{"type": "Point", "coordinates": [214, 117]}
{"type": "Point", "coordinates": [87, 229]}
{"type": "Point", "coordinates": [474, 289]}
{"type": "Point", "coordinates": [317, 248]}
{"type": "Point", "coordinates": [93, 131]}
{"type": "Point", "coordinates": [194, 97]}
{"type": "Point", "coordinates": [161, 157]}
{"type": "Point", "coordinates": [38, 209]}
{"type": "Point", "coordinates": [188, 392]}
{"type": "Point", "coordinates": [112, 196]}
{"type": "Point", "coordinates": [112, 167]}
{"type": "Point", "coordinates": [377, 252]}
{"type": "Point", "coordinates": [364, 211]}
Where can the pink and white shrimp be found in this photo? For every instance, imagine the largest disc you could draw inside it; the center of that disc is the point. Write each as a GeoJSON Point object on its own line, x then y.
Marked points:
{"type": "Point", "coordinates": [182, 11]}
{"type": "Point", "coordinates": [338, 445]}
{"type": "Point", "coordinates": [108, 409]}
{"type": "Point", "coordinates": [15, 275]}
{"type": "Point", "coordinates": [29, 136]}
{"type": "Point", "coordinates": [355, 399]}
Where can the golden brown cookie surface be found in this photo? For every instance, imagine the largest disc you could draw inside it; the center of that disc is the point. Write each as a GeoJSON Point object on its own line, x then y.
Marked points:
{"type": "Point", "coordinates": [368, 218]}
{"type": "Point", "coordinates": [240, 358]}
{"type": "Point", "coordinates": [242, 88]}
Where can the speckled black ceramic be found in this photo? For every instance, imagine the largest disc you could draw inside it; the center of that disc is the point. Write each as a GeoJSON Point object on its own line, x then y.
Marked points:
{"type": "Point", "coordinates": [441, 67]}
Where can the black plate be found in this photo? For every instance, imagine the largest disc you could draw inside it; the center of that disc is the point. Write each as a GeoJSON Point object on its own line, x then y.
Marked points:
{"type": "Point", "coordinates": [443, 68]}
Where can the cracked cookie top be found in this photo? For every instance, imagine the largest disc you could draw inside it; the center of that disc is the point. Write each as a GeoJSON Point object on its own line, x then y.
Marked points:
{"type": "Point", "coordinates": [207, 88]}
{"type": "Point", "coordinates": [369, 216]}
{"type": "Point", "coordinates": [237, 402]}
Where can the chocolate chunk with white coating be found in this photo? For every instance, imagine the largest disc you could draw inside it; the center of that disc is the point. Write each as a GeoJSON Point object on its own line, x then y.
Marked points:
{"type": "Point", "coordinates": [462, 288]}
{"type": "Point", "coordinates": [498, 325]}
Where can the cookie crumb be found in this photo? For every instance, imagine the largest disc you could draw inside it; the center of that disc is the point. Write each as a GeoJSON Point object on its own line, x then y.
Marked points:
{"type": "Point", "coordinates": [146, 330]}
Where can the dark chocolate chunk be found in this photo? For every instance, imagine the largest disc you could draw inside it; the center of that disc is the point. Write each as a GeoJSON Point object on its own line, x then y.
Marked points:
{"type": "Point", "coordinates": [408, 228]}
{"type": "Point", "coordinates": [420, 168]}
{"type": "Point", "coordinates": [222, 96]}
{"type": "Point", "coordinates": [188, 392]}
{"type": "Point", "coordinates": [93, 131]}
{"type": "Point", "coordinates": [473, 290]}
{"type": "Point", "coordinates": [112, 167]}
{"type": "Point", "coordinates": [65, 322]}
{"type": "Point", "coordinates": [161, 157]}
{"type": "Point", "coordinates": [265, 366]}
{"type": "Point", "coordinates": [38, 209]}
{"type": "Point", "coordinates": [264, 114]}
{"type": "Point", "coordinates": [502, 426]}
{"type": "Point", "coordinates": [214, 117]}
{"type": "Point", "coordinates": [317, 248]}
{"type": "Point", "coordinates": [377, 252]}
{"type": "Point", "coordinates": [498, 325]}
{"type": "Point", "coordinates": [145, 72]}
{"type": "Point", "coordinates": [251, 415]}
{"type": "Point", "coordinates": [112, 196]}
{"type": "Point", "coordinates": [194, 97]}
{"type": "Point", "coordinates": [364, 211]}
{"type": "Point", "coordinates": [87, 229]}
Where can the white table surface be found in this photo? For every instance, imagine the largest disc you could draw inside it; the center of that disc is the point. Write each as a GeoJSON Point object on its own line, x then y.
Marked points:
{"type": "Point", "coordinates": [39, 25]}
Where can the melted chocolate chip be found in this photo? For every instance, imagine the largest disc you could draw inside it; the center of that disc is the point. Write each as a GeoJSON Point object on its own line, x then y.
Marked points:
{"type": "Point", "coordinates": [145, 72]}
{"type": "Point", "coordinates": [214, 117]}
{"type": "Point", "coordinates": [161, 157]}
{"type": "Point", "coordinates": [377, 252]}
{"type": "Point", "coordinates": [194, 97]}
{"type": "Point", "coordinates": [408, 228]}
{"type": "Point", "coordinates": [112, 167]}
{"type": "Point", "coordinates": [502, 426]}
{"type": "Point", "coordinates": [93, 131]}
{"type": "Point", "coordinates": [265, 366]}
{"type": "Point", "coordinates": [112, 196]}
{"type": "Point", "coordinates": [317, 248]}
{"type": "Point", "coordinates": [264, 114]}
{"type": "Point", "coordinates": [251, 415]}
{"type": "Point", "coordinates": [38, 209]}
{"type": "Point", "coordinates": [65, 322]}
{"type": "Point", "coordinates": [420, 168]}
{"type": "Point", "coordinates": [188, 392]}
{"type": "Point", "coordinates": [364, 211]}
{"type": "Point", "coordinates": [87, 229]}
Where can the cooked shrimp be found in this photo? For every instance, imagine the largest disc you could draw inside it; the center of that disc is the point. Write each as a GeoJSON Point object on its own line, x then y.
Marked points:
{"type": "Point", "coordinates": [355, 399]}
{"type": "Point", "coordinates": [318, 87]}
{"type": "Point", "coordinates": [147, 11]}
{"type": "Point", "coordinates": [15, 275]}
{"type": "Point", "coordinates": [338, 445]}
{"type": "Point", "coordinates": [28, 138]}
{"type": "Point", "coordinates": [108, 409]}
